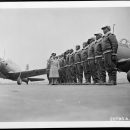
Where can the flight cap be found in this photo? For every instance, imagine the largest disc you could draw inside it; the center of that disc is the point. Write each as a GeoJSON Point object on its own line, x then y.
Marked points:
{"type": "Point", "coordinates": [104, 27]}
{"type": "Point", "coordinates": [98, 34]}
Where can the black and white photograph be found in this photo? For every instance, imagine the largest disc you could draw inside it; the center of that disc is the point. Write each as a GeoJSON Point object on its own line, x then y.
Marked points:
{"type": "Point", "coordinates": [65, 62]}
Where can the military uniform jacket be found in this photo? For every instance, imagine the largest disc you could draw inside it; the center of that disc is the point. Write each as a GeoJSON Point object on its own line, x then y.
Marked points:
{"type": "Point", "coordinates": [98, 48]}
{"type": "Point", "coordinates": [71, 59]}
{"type": "Point", "coordinates": [61, 62]}
{"type": "Point", "coordinates": [91, 53]}
{"type": "Point", "coordinates": [110, 43]}
{"type": "Point", "coordinates": [77, 56]}
{"type": "Point", "coordinates": [67, 59]}
{"type": "Point", "coordinates": [84, 54]}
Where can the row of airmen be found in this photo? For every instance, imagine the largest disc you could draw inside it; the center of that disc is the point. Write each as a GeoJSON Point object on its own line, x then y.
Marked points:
{"type": "Point", "coordinates": [98, 56]}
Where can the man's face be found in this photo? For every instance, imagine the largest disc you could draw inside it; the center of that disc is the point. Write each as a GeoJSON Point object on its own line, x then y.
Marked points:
{"type": "Point", "coordinates": [84, 45]}
{"type": "Point", "coordinates": [105, 30]}
{"type": "Point", "coordinates": [98, 37]}
{"type": "Point", "coordinates": [77, 47]}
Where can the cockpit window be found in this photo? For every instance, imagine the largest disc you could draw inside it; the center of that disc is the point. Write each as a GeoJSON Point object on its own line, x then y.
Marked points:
{"type": "Point", "coordinates": [124, 42]}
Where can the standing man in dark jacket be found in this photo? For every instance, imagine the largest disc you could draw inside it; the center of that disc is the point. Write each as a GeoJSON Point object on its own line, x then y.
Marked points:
{"type": "Point", "coordinates": [110, 47]}
{"type": "Point", "coordinates": [61, 69]}
{"type": "Point", "coordinates": [98, 59]}
{"type": "Point", "coordinates": [72, 67]}
{"type": "Point", "coordinates": [68, 74]}
{"type": "Point", "coordinates": [91, 60]}
{"type": "Point", "coordinates": [86, 68]}
{"type": "Point", "coordinates": [79, 68]}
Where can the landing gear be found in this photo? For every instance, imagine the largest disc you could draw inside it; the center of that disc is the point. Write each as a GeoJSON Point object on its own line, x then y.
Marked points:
{"type": "Point", "coordinates": [19, 81]}
{"type": "Point", "coordinates": [128, 75]}
{"type": "Point", "coordinates": [27, 81]}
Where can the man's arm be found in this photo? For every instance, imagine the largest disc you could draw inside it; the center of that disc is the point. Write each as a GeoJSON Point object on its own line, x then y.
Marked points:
{"type": "Point", "coordinates": [114, 43]}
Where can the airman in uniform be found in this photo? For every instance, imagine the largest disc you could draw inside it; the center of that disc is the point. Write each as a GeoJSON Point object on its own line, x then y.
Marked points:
{"type": "Point", "coordinates": [61, 80]}
{"type": "Point", "coordinates": [98, 59]}
{"type": "Point", "coordinates": [79, 67]}
{"type": "Point", "coordinates": [84, 57]}
{"type": "Point", "coordinates": [68, 74]}
{"type": "Point", "coordinates": [64, 67]}
{"type": "Point", "coordinates": [91, 61]}
{"type": "Point", "coordinates": [110, 47]}
{"type": "Point", "coordinates": [72, 67]}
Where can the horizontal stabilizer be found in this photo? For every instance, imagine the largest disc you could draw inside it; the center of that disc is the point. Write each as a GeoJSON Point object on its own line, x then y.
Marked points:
{"type": "Point", "coordinates": [35, 79]}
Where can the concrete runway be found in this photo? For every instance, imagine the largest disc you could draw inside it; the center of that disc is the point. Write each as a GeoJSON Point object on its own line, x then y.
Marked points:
{"type": "Point", "coordinates": [41, 102]}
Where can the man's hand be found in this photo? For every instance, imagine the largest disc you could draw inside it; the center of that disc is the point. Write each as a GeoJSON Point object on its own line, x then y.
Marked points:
{"type": "Point", "coordinates": [95, 61]}
{"type": "Point", "coordinates": [114, 57]}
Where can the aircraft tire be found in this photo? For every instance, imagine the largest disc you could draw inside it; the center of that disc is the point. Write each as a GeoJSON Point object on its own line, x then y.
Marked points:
{"type": "Point", "coordinates": [128, 75]}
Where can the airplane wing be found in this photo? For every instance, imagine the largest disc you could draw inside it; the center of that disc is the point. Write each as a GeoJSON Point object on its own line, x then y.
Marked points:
{"type": "Point", "coordinates": [123, 65]}
{"type": "Point", "coordinates": [26, 74]}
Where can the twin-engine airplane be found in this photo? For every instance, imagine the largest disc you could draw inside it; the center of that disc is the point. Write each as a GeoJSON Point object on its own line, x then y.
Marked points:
{"type": "Point", "coordinates": [9, 70]}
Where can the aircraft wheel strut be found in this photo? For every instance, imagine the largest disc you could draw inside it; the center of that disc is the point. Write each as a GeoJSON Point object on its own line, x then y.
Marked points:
{"type": "Point", "coordinates": [19, 81]}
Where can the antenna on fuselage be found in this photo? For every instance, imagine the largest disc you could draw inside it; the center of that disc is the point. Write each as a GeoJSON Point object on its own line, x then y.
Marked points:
{"type": "Point", "coordinates": [113, 28]}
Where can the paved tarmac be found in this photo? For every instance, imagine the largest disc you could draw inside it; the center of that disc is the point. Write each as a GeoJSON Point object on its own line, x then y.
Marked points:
{"type": "Point", "coordinates": [42, 102]}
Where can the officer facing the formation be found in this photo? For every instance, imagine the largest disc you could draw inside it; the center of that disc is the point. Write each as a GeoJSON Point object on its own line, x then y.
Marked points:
{"type": "Point", "coordinates": [78, 65]}
{"type": "Point", "coordinates": [72, 67]}
{"type": "Point", "coordinates": [110, 47]}
{"type": "Point", "coordinates": [98, 59]}
{"type": "Point", "coordinates": [91, 61]}
{"type": "Point", "coordinates": [84, 57]}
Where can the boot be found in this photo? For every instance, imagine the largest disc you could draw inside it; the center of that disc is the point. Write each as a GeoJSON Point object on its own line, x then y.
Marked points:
{"type": "Point", "coordinates": [114, 80]}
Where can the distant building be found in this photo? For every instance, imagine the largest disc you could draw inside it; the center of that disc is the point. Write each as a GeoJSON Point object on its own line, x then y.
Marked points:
{"type": "Point", "coordinates": [27, 67]}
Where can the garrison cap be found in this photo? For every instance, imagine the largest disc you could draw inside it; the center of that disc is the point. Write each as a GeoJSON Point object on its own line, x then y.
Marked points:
{"type": "Point", "coordinates": [108, 27]}
{"type": "Point", "coordinates": [53, 54]}
{"type": "Point", "coordinates": [98, 34]}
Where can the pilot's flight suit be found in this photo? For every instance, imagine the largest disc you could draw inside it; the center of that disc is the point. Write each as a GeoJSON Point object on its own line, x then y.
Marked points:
{"type": "Point", "coordinates": [79, 67]}
{"type": "Point", "coordinates": [68, 74]}
{"type": "Point", "coordinates": [110, 46]}
{"type": "Point", "coordinates": [63, 70]}
{"type": "Point", "coordinates": [86, 68]}
{"type": "Point", "coordinates": [72, 68]}
{"type": "Point", "coordinates": [99, 61]}
{"type": "Point", "coordinates": [61, 77]}
{"type": "Point", "coordinates": [91, 61]}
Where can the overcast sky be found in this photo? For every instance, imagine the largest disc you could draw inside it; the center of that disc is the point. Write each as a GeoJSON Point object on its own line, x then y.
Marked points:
{"type": "Point", "coordinates": [29, 36]}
